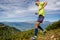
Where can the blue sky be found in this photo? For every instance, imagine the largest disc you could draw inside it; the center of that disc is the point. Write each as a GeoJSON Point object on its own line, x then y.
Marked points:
{"type": "Point", "coordinates": [24, 10]}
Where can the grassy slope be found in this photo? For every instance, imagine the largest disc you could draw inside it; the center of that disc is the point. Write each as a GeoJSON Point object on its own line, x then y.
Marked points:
{"type": "Point", "coordinates": [50, 35]}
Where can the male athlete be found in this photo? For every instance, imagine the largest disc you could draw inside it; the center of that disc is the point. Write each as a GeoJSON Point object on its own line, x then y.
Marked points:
{"type": "Point", "coordinates": [41, 15]}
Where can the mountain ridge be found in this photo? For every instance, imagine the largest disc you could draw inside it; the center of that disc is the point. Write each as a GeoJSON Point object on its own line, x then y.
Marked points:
{"type": "Point", "coordinates": [25, 25]}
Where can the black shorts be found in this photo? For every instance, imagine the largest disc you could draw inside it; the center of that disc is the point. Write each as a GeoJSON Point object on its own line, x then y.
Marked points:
{"type": "Point", "coordinates": [40, 18]}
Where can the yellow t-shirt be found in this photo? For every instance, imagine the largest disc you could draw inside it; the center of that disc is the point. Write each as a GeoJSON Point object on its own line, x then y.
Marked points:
{"type": "Point", "coordinates": [41, 12]}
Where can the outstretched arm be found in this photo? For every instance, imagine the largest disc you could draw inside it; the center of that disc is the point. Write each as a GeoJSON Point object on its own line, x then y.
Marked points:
{"type": "Point", "coordinates": [45, 3]}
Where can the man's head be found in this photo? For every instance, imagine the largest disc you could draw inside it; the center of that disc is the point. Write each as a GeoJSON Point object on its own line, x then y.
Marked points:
{"type": "Point", "coordinates": [37, 3]}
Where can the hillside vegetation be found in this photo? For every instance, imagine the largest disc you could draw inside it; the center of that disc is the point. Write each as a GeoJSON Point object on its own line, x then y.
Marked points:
{"type": "Point", "coordinates": [6, 32]}
{"type": "Point", "coordinates": [9, 33]}
{"type": "Point", "coordinates": [54, 25]}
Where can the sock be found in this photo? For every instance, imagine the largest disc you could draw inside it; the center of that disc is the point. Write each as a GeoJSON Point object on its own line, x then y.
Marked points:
{"type": "Point", "coordinates": [36, 31]}
{"type": "Point", "coordinates": [40, 28]}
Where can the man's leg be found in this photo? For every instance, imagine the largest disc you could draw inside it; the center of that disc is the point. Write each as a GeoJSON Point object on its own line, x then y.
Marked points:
{"type": "Point", "coordinates": [40, 28]}
{"type": "Point", "coordinates": [40, 19]}
{"type": "Point", "coordinates": [36, 28]}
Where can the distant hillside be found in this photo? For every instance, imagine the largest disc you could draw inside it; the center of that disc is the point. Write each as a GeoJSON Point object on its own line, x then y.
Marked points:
{"type": "Point", "coordinates": [26, 25]}
{"type": "Point", "coordinates": [20, 25]}
{"type": "Point", "coordinates": [7, 32]}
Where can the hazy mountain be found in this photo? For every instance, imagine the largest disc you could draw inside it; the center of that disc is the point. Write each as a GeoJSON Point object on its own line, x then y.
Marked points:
{"type": "Point", "coordinates": [45, 24]}
{"type": "Point", "coordinates": [25, 25]}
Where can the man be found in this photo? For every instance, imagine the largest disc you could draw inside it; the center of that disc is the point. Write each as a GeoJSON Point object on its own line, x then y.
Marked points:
{"type": "Point", "coordinates": [41, 15]}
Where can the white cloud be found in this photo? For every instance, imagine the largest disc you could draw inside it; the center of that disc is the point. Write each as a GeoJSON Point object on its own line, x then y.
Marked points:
{"type": "Point", "coordinates": [22, 8]}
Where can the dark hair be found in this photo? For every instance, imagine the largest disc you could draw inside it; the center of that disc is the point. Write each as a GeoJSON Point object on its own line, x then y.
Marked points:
{"type": "Point", "coordinates": [37, 0]}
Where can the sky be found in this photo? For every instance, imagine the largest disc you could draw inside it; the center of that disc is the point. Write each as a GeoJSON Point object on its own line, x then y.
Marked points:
{"type": "Point", "coordinates": [24, 10]}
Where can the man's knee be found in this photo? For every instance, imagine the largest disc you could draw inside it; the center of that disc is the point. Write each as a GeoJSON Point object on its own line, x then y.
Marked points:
{"type": "Point", "coordinates": [37, 24]}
